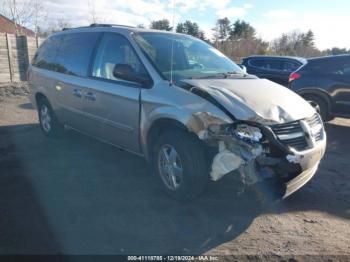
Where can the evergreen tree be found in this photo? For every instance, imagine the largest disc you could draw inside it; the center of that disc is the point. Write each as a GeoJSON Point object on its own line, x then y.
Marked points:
{"type": "Point", "coordinates": [161, 25]}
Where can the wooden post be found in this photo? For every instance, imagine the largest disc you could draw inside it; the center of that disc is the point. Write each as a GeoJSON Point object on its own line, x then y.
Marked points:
{"type": "Point", "coordinates": [9, 55]}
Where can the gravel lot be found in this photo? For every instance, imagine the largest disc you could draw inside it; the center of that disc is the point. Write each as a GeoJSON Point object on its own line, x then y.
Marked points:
{"type": "Point", "coordinates": [76, 195]}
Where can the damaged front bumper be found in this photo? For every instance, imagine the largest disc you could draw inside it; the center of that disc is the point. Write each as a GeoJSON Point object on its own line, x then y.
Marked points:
{"type": "Point", "coordinates": [287, 163]}
{"type": "Point", "coordinates": [308, 161]}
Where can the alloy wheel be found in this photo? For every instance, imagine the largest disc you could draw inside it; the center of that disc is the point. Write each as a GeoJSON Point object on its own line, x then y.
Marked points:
{"type": "Point", "coordinates": [170, 167]}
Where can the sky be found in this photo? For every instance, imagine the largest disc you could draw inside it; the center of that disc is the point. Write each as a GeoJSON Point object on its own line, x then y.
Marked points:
{"type": "Point", "coordinates": [327, 19]}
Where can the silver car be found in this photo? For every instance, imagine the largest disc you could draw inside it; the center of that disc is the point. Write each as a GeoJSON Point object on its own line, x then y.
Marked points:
{"type": "Point", "coordinates": [176, 100]}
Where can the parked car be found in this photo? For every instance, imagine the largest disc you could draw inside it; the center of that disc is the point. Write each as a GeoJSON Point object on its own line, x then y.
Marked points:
{"type": "Point", "coordinates": [180, 103]}
{"type": "Point", "coordinates": [325, 83]}
{"type": "Point", "coordinates": [274, 68]}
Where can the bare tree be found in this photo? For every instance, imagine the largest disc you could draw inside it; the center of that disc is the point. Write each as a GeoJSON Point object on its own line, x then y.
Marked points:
{"type": "Point", "coordinates": [40, 14]}
{"type": "Point", "coordinates": [24, 13]}
{"type": "Point", "coordinates": [92, 12]}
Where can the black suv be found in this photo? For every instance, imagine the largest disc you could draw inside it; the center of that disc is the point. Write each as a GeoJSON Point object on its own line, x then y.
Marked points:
{"type": "Point", "coordinates": [325, 83]}
{"type": "Point", "coordinates": [274, 68]}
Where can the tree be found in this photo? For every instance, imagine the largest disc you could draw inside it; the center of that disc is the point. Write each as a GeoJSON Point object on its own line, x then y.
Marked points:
{"type": "Point", "coordinates": [92, 12]}
{"type": "Point", "coordinates": [24, 13]}
{"type": "Point", "coordinates": [336, 51]}
{"type": "Point", "coordinates": [40, 14]}
{"type": "Point", "coordinates": [161, 25]}
{"type": "Point", "coordinates": [19, 12]}
{"type": "Point", "coordinates": [189, 28]}
{"type": "Point", "coordinates": [308, 39]}
{"type": "Point", "coordinates": [242, 29]}
{"type": "Point", "coordinates": [295, 43]}
{"type": "Point", "coordinates": [222, 29]}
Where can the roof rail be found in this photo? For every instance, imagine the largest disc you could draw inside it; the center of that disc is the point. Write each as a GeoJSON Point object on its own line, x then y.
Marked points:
{"type": "Point", "coordinates": [70, 28]}
{"type": "Point", "coordinates": [96, 25]}
{"type": "Point", "coordinates": [109, 25]}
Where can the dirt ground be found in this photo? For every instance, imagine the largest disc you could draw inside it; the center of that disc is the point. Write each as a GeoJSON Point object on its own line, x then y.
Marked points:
{"type": "Point", "coordinates": [76, 195]}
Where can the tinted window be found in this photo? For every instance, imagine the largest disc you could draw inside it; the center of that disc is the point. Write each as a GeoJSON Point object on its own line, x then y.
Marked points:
{"type": "Point", "coordinates": [273, 64]}
{"type": "Point", "coordinates": [115, 49]}
{"type": "Point", "coordinates": [329, 66]}
{"type": "Point", "coordinates": [75, 52]}
{"type": "Point", "coordinates": [290, 66]}
{"type": "Point", "coordinates": [46, 55]}
{"type": "Point", "coordinates": [257, 62]}
{"type": "Point", "coordinates": [266, 63]}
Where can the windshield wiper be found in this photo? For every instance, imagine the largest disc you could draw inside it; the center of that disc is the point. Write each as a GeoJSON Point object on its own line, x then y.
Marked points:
{"type": "Point", "coordinates": [218, 75]}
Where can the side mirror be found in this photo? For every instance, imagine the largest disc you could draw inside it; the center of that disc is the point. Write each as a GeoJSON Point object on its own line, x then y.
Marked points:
{"type": "Point", "coordinates": [126, 72]}
{"type": "Point", "coordinates": [243, 68]}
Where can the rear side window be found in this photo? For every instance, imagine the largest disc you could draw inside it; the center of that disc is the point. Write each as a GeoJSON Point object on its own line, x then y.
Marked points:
{"type": "Point", "coordinates": [74, 53]}
{"type": "Point", "coordinates": [46, 55]}
{"type": "Point", "coordinates": [290, 66]}
{"type": "Point", "coordinates": [273, 64]}
{"type": "Point", "coordinates": [257, 62]}
{"type": "Point", "coordinates": [329, 66]}
{"type": "Point", "coordinates": [68, 53]}
{"type": "Point", "coordinates": [267, 64]}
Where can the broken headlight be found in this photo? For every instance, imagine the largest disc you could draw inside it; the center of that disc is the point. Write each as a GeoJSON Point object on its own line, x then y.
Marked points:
{"type": "Point", "coordinates": [247, 133]}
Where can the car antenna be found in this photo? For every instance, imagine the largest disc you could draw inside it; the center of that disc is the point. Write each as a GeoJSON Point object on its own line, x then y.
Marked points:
{"type": "Point", "coordinates": [172, 45]}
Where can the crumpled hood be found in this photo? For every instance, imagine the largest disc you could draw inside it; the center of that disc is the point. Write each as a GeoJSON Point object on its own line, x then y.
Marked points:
{"type": "Point", "coordinates": [257, 100]}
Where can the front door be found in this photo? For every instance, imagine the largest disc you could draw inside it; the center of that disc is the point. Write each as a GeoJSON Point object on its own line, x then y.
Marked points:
{"type": "Point", "coordinates": [111, 104]}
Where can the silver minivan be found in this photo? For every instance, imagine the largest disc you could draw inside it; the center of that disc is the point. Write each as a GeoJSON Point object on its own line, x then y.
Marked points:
{"type": "Point", "coordinates": [176, 100]}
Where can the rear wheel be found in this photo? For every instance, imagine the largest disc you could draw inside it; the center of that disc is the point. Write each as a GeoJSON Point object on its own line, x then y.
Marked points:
{"type": "Point", "coordinates": [179, 162]}
{"type": "Point", "coordinates": [48, 120]}
{"type": "Point", "coordinates": [319, 104]}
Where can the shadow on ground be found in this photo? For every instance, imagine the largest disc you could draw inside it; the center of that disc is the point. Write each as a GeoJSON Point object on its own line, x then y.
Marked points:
{"type": "Point", "coordinates": [79, 196]}
{"type": "Point", "coordinates": [76, 195]}
{"type": "Point", "coordinates": [27, 106]}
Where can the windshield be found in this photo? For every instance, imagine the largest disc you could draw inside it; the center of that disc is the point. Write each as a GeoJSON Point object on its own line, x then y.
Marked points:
{"type": "Point", "coordinates": [192, 58]}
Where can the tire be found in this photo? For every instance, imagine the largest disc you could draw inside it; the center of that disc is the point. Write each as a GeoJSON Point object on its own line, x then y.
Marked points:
{"type": "Point", "coordinates": [189, 169]}
{"type": "Point", "coordinates": [48, 120]}
{"type": "Point", "coordinates": [320, 106]}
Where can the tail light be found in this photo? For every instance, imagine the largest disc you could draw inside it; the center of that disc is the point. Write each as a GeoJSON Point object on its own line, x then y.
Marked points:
{"type": "Point", "coordinates": [294, 76]}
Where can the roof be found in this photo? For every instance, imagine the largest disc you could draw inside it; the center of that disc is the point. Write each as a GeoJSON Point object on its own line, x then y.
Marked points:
{"type": "Point", "coordinates": [297, 58]}
{"type": "Point", "coordinates": [7, 26]}
{"type": "Point", "coordinates": [330, 57]}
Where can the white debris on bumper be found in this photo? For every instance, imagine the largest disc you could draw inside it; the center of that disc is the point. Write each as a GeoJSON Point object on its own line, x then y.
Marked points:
{"type": "Point", "coordinates": [224, 162]}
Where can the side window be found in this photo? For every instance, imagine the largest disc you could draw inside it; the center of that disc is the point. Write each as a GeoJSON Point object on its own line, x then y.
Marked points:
{"type": "Point", "coordinates": [74, 53]}
{"type": "Point", "coordinates": [46, 55]}
{"type": "Point", "coordinates": [257, 62]}
{"type": "Point", "coordinates": [290, 66]}
{"type": "Point", "coordinates": [340, 67]}
{"type": "Point", "coordinates": [273, 64]}
{"type": "Point", "coordinates": [346, 69]}
{"type": "Point", "coordinates": [114, 49]}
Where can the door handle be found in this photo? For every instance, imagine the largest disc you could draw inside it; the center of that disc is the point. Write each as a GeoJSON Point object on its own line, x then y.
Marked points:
{"type": "Point", "coordinates": [90, 96]}
{"type": "Point", "coordinates": [77, 93]}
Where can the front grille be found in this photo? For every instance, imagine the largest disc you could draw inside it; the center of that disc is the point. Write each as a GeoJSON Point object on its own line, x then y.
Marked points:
{"type": "Point", "coordinates": [313, 122]}
{"type": "Point", "coordinates": [293, 135]}
{"type": "Point", "coordinates": [298, 143]}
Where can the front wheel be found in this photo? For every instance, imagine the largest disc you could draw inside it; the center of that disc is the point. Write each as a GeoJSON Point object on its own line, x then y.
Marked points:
{"type": "Point", "coordinates": [179, 162]}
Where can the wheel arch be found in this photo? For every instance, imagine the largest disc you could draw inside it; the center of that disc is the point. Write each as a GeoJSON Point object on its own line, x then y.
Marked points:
{"type": "Point", "coordinates": [38, 97]}
{"type": "Point", "coordinates": [161, 125]}
{"type": "Point", "coordinates": [319, 93]}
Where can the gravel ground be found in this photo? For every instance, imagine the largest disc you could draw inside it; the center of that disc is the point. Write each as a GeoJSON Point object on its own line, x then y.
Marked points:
{"type": "Point", "coordinates": [76, 195]}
